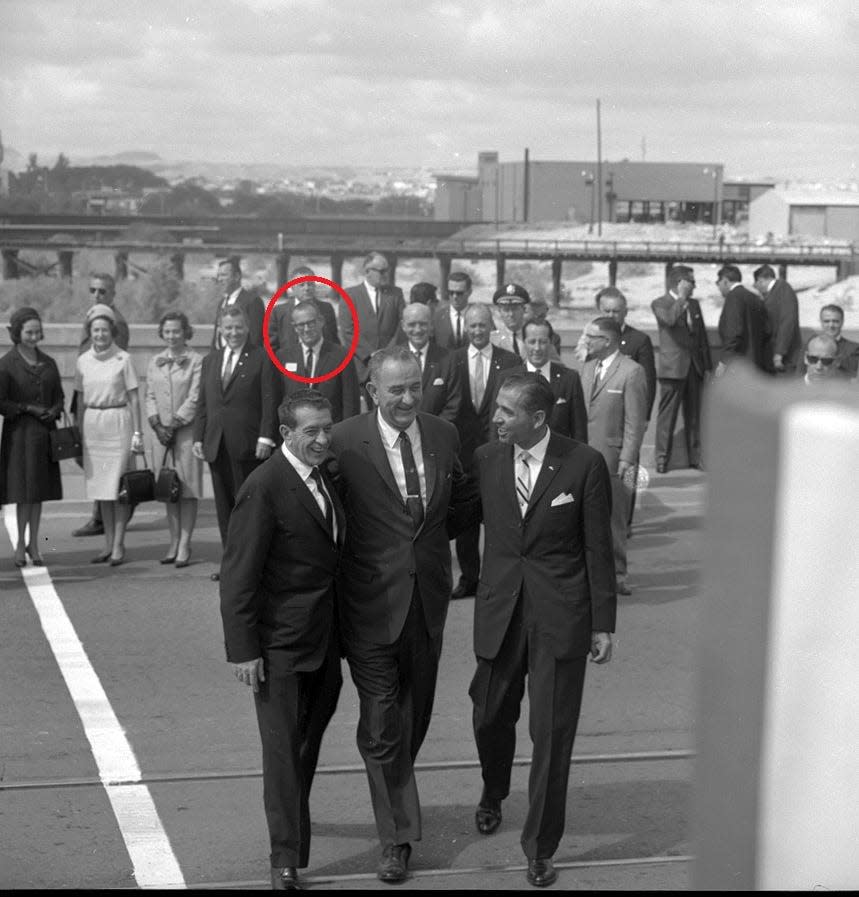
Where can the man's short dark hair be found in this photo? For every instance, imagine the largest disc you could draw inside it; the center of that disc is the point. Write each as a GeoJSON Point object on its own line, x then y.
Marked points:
{"type": "Point", "coordinates": [764, 273]}
{"type": "Point", "coordinates": [302, 271]}
{"type": "Point", "coordinates": [534, 391]}
{"type": "Point", "coordinates": [533, 323]}
{"type": "Point", "coordinates": [301, 398]}
{"type": "Point", "coordinates": [375, 254]}
{"type": "Point", "coordinates": [389, 353]}
{"type": "Point", "coordinates": [731, 273]}
{"type": "Point", "coordinates": [833, 307]}
{"type": "Point", "coordinates": [460, 277]}
{"type": "Point", "coordinates": [605, 324]}
{"type": "Point", "coordinates": [233, 311]}
{"type": "Point", "coordinates": [678, 273]}
{"type": "Point", "coordinates": [423, 293]}
{"type": "Point", "coordinates": [107, 278]}
{"type": "Point", "coordinates": [609, 293]}
{"type": "Point", "coordinates": [234, 262]}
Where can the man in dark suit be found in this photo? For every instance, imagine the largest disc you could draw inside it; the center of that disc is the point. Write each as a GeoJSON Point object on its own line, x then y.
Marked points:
{"type": "Point", "coordinates": [277, 607]}
{"type": "Point", "coordinates": [449, 317]}
{"type": "Point", "coordinates": [282, 334]}
{"type": "Point", "coordinates": [232, 293]}
{"type": "Point", "coordinates": [783, 310]}
{"type": "Point", "coordinates": [538, 310]}
{"type": "Point", "coordinates": [481, 368]}
{"type": "Point", "coordinates": [441, 390]}
{"type": "Point", "coordinates": [546, 600]}
{"type": "Point", "coordinates": [617, 418]}
{"type": "Point", "coordinates": [398, 474]}
{"type": "Point", "coordinates": [831, 322]}
{"type": "Point", "coordinates": [379, 308]}
{"type": "Point", "coordinates": [315, 356]}
{"type": "Point", "coordinates": [569, 415]}
{"type": "Point", "coordinates": [684, 361]}
{"type": "Point", "coordinates": [635, 344]}
{"type": "Point", "coordinates": [236, 424]}
{"type": "Point", "coordinates": [744, 326]}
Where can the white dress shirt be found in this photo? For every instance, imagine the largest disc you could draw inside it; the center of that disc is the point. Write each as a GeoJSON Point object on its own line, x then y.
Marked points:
{"type": "Point", "coordinates": [390, 441]}
{"type": "Point", "coordinates": [371, 292]}
{"type": "Point", "coordinates": [303, 470]}
{"type": "Point", "coordinates": [421, 355]}
{"type": "Point", "coordinates": [535, 462]}
{"type": "Point", "coordinates": [234, 355]}
{"type": "Point", "coordinates": [604, 365]}
{"type": "Point", "coordinates": [546, 370]}
{"type": "Point", "coordinates": [486, 360]}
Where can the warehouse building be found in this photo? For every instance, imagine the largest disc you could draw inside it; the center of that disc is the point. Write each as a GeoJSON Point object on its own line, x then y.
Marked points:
{"type": "Point", "coordinates": [806, 213]}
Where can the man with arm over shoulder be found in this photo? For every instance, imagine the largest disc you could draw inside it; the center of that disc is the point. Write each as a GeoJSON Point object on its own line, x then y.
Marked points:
{"type": "Point", "coordinates": [546, 601]}
{"type": "Point", "coordinates": [277, 607]}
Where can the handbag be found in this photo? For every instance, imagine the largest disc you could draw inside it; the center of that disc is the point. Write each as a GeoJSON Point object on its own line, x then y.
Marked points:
{"type": "Point", "coordinates": [168, 486]}
{"type": "Point", "coordinates": [66, 441]}
{"type": "Point", "coordinates": [136, 486]}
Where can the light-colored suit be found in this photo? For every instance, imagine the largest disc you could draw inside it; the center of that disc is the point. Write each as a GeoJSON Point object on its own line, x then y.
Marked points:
{"type": "Point", "coordinates": [617, 419]}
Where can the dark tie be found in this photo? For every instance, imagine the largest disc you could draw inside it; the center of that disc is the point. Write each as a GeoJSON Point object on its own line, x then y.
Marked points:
{"type": "Point", "coordinates": [515, 344]}
{"type": "Point", "coordinates": [308, 362]}
{"type": "Point", "coordinates": [597, 372]}
{"type": "Point", "coordinates": [458, 330]}
{"type": "Point", "coordinates": [316, 476]}
{"type": "Point", "coordinates": [228, 370]}
{"type": "Point", "coordinates": [418, 359]}
{"type": "Point", "coordinates": [413, 483]}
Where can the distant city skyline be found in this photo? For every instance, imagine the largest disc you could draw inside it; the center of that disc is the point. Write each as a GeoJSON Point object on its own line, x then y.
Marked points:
{"type": "Point", "coordinates": [766, 88]}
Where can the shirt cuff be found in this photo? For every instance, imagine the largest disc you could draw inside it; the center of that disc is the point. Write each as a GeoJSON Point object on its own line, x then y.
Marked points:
{"type": "Point", "coordinates": [265, 441]}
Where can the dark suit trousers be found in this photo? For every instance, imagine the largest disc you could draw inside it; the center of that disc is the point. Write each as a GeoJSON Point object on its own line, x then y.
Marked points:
{"type": "Point", "coordinates": [555, 695]}
{"type": "Point", "coordinates": [672, 394]}
{"type": "Point", "coordinates": [228, 474]}
{"type": "Point", "coordinates": [293, 710]}
{"type": "Point", "coordinates": [468, 554]}
{"type": "Point", "coordinates": [396, 688]}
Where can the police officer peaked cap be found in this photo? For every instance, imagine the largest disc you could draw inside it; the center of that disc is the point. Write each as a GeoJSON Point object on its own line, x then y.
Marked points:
{"type": "Point", "coordinates": [511, 294]}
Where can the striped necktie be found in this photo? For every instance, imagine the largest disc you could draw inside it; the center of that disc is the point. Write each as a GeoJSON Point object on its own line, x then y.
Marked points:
{"type": "Point", "coordinates": [523, 482]}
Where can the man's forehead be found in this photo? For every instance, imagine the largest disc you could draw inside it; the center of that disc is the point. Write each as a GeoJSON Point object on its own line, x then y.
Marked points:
{"type": "Point", "coordinates": [416, 312]}
{"type": "Point", "coordinates": [820, 347]}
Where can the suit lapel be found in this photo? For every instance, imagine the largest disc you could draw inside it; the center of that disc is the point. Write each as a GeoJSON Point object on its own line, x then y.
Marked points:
{"type": "Point", "coordinates": [601, 383]}
{"type": "Point", "coordinates": [339, 513]}
{"type": "Point", "coordinates": [494, 374]}
{"type": "Point", "coordinates": [302, 493]}
{"type": "Point", "coordinates": [551, 465]}
{"type": "Point", "coordinates": [508, 479]}
{"type": "Point", "coordinates": [239, 366]}
{"type": "Point", "coordinates": [378, 457]}
{"type": "Point", "coordinates": [430, 462]}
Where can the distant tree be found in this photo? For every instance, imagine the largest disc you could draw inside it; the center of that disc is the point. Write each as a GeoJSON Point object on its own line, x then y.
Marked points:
{"type": "Point", "coordinates": [32, 162]}
{"type": "Point", "coordinates": [62, 163]}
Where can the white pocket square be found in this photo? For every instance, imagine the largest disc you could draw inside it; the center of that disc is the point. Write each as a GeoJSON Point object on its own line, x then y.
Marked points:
{"type": "Point", "coordinates": [291, 366]}
{"type": "Point", "coordinates": [563, 499]}
{"type": "Point", "coordinates": [438, 382]}
{"type": "Point", "coordinates": [560, 401]}
{"type": "Point", "coordinates": [618, 391]}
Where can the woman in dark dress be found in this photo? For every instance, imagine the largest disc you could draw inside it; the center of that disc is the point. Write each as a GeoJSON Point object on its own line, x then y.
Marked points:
{"type": "Point", "coordinates": [31, 399]}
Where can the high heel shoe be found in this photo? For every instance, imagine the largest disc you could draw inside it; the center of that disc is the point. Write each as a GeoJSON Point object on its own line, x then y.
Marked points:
{"type": "Point", "coordinates": [116, 562]}
{"type": "Point", "coordinates": [20, 561]}
{"type": "Point", "coordinates": [102, 558]}
{"type": "Point", "coordinates": [183, 562]}
{"type": "Point", "coordinates": [170, 559]}
{"type": "Point", "coordinates": [35, 557]}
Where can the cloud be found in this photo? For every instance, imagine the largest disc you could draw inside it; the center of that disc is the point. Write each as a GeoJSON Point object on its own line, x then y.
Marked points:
{"type": "Point", "coordinates": [433, 83]}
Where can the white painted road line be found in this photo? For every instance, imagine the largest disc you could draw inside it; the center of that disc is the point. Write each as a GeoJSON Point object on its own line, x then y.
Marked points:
{"type": "Point", "coordinates": [155, 865]}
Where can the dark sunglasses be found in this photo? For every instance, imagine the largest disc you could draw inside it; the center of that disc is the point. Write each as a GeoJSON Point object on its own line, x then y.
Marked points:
{"type": "Point", "coordinates": [823, 359]}
{"type": "Point", "coordinates": [102, 291]}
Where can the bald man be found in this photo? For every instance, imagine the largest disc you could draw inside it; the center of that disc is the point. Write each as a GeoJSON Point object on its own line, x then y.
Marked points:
{"type": "Point", "coordinates": [821, 360]}
{"type": "Point", "coordinates": [442, 392]}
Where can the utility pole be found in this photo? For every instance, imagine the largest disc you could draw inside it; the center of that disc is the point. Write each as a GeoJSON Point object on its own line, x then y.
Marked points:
{"type": "Point", "coordinates": [599, 172]}
{"type": "Point", "coordinates": [526, 187]}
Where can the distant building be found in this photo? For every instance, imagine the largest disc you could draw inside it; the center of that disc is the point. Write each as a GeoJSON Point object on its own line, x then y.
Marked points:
{"type": "Point", "coordinates": [567, 191]}
{"type": "Point", "coordinates": [784, 212]}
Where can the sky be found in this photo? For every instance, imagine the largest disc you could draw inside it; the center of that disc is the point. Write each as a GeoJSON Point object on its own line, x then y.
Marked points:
{"type": "Point", "coordinates": [768, 88]}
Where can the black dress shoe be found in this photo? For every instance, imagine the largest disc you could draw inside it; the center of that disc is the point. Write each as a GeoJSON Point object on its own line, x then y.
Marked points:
{"type": "Point", "coordinates": [394, 865]}
{"type": "Point", "coordinates": [488, 815]}
{"type": "Point", "coordinates": [90, 528]}
{"type": "Point", "coordinates": [285, 878]}
{"type": "Point", "coordinates": [215, 577]}
{"type": "Point", "coordinates": [661, 467]}
{"type": "Point", "coordinates": [464, 590]}
{"type": "Point", "coordinates": [170, 559]}
{"type": "Point", "coordinates": [541, 873]}
{"type": "Point", "coordinates": [623, 588]}
{"type": "Point", "coordinates": [697, 466]}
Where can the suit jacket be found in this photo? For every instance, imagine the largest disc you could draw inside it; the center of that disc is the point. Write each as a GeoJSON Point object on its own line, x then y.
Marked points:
{"type": "Point", "coordinates": [341, 391]}
{"type": "Point", "coordinates": [617, 410]}
{"type": "Point", "coordinates": [443, 333]}
{"type": "Point", "coordinates": [637, 346]}
{"type": "Point", "coordinates": [569, 415]}
{"type": "Point", "coordinates": [783, 309]}
{"type": "Point", "coordinates": [383, 558]}
{"type": "Point", "coordinates": [744, 329]}
{"type": "Point", "coordinates": [282, 334]}
{"type": "Point", "coordinates": [679, 345]}
{"type": "Point", "coordinates": [503, 338]}
{"type": "Point", "coordinates": [376, 330]}
{"type": "Point", "coordinates": [474, 424]}
{"type": "Point", "coordinates": [254, 311]}
{"type": "Point", "coordinates": [278, 570]}
{"type": "Point", "coordinates": [848, 356]}
{"type": "Point", "coordinates": [241, 412]}
{"type": "Point", "coordinates": [559, 557]}
{"type": "Point", "coordinates": [442, 390]}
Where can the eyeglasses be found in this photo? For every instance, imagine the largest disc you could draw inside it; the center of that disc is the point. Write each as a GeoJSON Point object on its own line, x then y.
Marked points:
{"type": "Point", "coordinates": [379, 270]}
{"type": "Point", "coordinates": [595, 336]}
{"type": "Point", "coordinates": [102, 291]}
{"type": "Point", "coordinates": [823, 359]}
{"type": "Point", "coordinates": [456, 292]}
{"type": "Point", "coordinates": [301, 325]}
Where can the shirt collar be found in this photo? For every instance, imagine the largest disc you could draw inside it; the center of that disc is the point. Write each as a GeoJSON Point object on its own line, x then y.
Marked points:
{"type": "Point", "coordinates": [486, 351]}
{"type": "Point", "coordinates": [390, 434]}
{"type": "Point", "coordinates": [733, 286]}
{"type": "Point", "coordinates": [371, 290]}
{"type": "Point", "coordinates": [606, 362]}
{"type": "Point", "coordinates": [238, 351]}
{"type": "Point", "coordinates": [422, 350]}
{"type": "Point", "coordinates": [538, 451]}
{"type": "Point", "coordinates": [546, 370]}
{"type": "Point", "coordinates": [316, 347]}
{"type": "Point", "coordinates": [302, 469]}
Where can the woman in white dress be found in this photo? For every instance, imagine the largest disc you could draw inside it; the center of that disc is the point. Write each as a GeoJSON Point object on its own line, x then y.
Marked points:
{"type": "Point", "coordinates": [108, 401]}
{"type": "Point", "coordinates": [172, 394]}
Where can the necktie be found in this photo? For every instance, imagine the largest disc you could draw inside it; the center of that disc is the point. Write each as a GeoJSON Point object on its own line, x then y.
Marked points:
{"type": "Point", "coordinates": [414, 504]}
{"type": "Point", "coordinates": [308, 363]}
{"type": "Point", "coordinates": [597, 373]}
{"type": "Point", "coordinates": [376, 302]}
{"type": "Point", "coordinates": [458, 330]}
{"type": "Point", "coordinates": [417, 355]}
{"type": "Point", "coordinates": [523, 482]}
{"type": "Point", "coordinates": [327, 510]}
{"type": "Point", "coordinates": [515, 344]}
{"type": "Point", "coordinates": [478, 385]}
{"type": "Point", "coordinates": [228, 370]}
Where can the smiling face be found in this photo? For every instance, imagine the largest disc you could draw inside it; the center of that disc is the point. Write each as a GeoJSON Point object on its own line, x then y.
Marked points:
{"type": "Point", "coordinates": [31, 333]}
{"type": "Point", "coordinates": [100, 334]}
{"type": "Point", "coordinates": [305, 320]}
{"type": "Point", "coordinates": [537, 344]}
{"type": "Point", "coordinates": [173, 334]}
{"type": "Point", "coordinates": [397, 392]}
{"type": "Point", "coordinates": [478, 326]}
{"type": "Point", "coordinates": [513, 422]}
{"type": "Point", "coordinates": [416, 324]}
{"type": "Point", "coordinates": [234, 330]}
{"type": "Point", "coordinates": [310, 438]}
